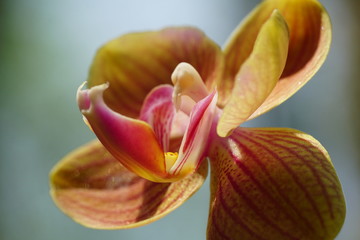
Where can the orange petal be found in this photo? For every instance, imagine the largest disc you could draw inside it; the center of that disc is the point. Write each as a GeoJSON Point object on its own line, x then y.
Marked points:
{"type": "Point", "coordinates": [135, 63]}
{"type": "Point", "coordinates": [95, 190]}
{"type": "Point", "coordinates": [258, 75]}
{"type": "Point", "coordinates": [310, 37]}
{"type": "Point", "coordinates": [273, 184]}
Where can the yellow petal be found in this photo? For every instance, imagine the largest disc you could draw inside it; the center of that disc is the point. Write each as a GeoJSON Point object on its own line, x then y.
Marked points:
{"type": "Point", "coordinates": [95, 190]}
{"type": "Point", "coordinates": [273, 183]}
{"type": "Point", "coordinates": [135, 63]}
{"type": "Point", "coordinates": [258, 75]}
{"type": "Point", "coordinates": [310, 37]}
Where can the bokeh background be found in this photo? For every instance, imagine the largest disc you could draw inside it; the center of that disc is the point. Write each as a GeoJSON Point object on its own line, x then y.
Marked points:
{"type": "Point", "coordinates": [46, 47]}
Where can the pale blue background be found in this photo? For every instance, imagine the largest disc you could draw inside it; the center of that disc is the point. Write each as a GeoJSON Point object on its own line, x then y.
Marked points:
{"type": "Point", "coordinates": [45, 51]}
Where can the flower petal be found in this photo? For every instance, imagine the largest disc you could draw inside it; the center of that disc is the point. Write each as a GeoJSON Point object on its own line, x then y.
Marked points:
{"type": "Point", "coordinates": [273, 184]}
{"type": "Point", "coordinates": [195, 140]}
{"type": "Point", "coordinates": [310, 37]}
{"type": "Point", "coordinates": [187, 82]}
{"type": "Point", "coordinates": [158, 111]}
{"type": "Point", "coordinates": [258, 75]}
{"type": "Point", "coordinates": [135, 63]}
{"type": "Point", "coordinates": [130, 141]}
{"type": "Point", "coordinates": [95, 190]}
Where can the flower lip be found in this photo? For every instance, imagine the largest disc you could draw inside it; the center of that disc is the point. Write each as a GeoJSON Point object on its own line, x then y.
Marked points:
{"type": "Point", "coordinates": [142, 145]}
{"type": "Point", "coordinates": [158, 113]}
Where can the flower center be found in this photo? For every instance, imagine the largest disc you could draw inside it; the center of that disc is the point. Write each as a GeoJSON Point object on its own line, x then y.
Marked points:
{"type": "Point", "coordinates": [170, 159]}
{"type": "Point", "coordinates": [189, 90]}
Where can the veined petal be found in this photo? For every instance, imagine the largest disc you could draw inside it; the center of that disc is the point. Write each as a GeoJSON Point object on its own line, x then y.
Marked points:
{"type": "Point", "coordinates": [94, 189]}
{"type": "Point", "coordinates": [195, 140]}
{"type": "Point", "coordinates": [158, 110]}
{"type": "Point", "coordinates": [135, 63]}
{"type": "Point", "coordinates": [130, 141]}
{"type": "Point", "coordinates": [310, 37]}
{"type": "Point", "coordinates": [258, 75]}
{"type": "Point", "coordinates": [273, 183]}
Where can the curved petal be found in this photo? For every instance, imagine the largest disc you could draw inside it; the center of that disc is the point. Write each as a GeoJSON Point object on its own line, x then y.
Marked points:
{"type": "Point", "coordinates": [132, 142]}
{"type": "Point", "coordinates": [95, 190]}
{"type": "Point", "coordinates": [195, 140]}
{"type": "Point", "coordinates": [158, 111]}
{"type": "Point", "coordinates": [273, 184]}
{"type": "Point", "coordinates": [135, 63]}
{"type": "Point", "coordinates": [310, 37]}
{"type": "Point", "coordinates": [258, 75]}
{"type": "Point", "coordinates": [187, 82]}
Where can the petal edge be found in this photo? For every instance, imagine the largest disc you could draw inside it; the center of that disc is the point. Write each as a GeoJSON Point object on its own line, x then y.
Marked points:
{"type": "Point", "coordinates": [95, 190]}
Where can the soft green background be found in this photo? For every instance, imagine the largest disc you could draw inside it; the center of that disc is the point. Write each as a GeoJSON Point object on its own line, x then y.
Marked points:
{"type": "Point", "coordinates": [46, 47]}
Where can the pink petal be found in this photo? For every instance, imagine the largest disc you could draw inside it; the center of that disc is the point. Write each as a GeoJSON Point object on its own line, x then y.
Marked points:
{"type": "Point", "coordinates": [130, 141]}
{"type": "Point", "coordinates": [196, 137]}
{"type": "Point", "coordinates": [158, 111]}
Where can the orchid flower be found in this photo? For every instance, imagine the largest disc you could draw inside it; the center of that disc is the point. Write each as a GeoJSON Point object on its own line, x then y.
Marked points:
{"type": "Point", "coordinates": [164, 105]}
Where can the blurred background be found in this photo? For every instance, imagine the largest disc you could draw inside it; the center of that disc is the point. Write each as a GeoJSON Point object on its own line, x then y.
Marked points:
{"type": "Point", "coordinates": [46, 48]}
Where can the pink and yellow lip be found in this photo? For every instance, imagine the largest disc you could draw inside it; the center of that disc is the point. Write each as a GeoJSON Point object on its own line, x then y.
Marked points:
{"type": "Point", "coordinates": [142, 145]}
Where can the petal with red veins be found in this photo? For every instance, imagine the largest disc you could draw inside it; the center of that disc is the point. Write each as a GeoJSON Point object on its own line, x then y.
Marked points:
{"type": "Point", "coordinates": [94, 189]}
{"type": "Point", "coordinates": [273, 183]}
{"type": "Point", "coordinates": [158, 111]}
{"type": "Point", "coordinates": [135, 63]}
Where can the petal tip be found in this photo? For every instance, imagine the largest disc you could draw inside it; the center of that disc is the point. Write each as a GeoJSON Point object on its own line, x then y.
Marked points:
{"type": "Point", "coordinates": [223, 130]}
{"type": "Point", "coordinates": [86, 97]}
